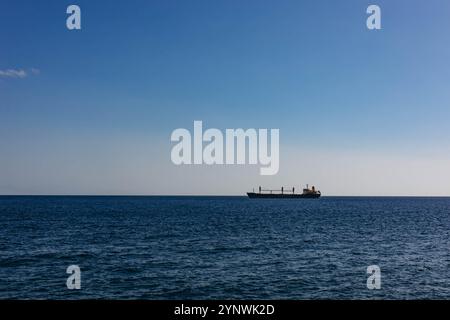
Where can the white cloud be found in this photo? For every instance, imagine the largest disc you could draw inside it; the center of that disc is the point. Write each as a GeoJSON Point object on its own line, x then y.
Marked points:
{"type": "Point", "coordinates": [18, 73]}
{"type": "Point", "coordinates": [13, 73]}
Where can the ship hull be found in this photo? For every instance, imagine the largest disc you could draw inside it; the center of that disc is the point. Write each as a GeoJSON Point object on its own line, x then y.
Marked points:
{"type": "Point", "coordinates": [254, 195]}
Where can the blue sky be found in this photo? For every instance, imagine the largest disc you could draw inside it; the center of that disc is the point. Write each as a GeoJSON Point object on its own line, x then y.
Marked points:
{"type": "Point", "coordinates": [104, 101]}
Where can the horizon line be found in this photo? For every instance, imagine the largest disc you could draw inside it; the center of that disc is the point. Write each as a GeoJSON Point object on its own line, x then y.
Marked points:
{"type": "Point", "coordinates": [213, 195]}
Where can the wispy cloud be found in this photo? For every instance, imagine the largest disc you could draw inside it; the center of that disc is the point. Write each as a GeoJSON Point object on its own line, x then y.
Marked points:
{"type": "Point", "coordinates": [13, 73]}
{"type": "Point", "coordinates": [35, 71]}
{"type": "Point", "coordinates": [18, 73]}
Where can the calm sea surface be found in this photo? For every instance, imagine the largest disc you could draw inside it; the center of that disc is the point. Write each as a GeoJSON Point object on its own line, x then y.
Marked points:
{"type": "Point", "coordinates": [224, 247]}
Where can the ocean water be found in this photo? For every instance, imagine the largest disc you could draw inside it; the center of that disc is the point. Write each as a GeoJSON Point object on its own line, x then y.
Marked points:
{"type": "Point", "coordinates": [224, 247]}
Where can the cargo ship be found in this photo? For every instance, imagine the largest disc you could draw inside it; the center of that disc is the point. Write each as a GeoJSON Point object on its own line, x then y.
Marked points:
{"type": "Point", "coordinates": [285, 194]}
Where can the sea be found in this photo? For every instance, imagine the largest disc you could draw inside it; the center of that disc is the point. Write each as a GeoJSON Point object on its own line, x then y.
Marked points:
{"type": "Point", "coordinates": [224, 247]}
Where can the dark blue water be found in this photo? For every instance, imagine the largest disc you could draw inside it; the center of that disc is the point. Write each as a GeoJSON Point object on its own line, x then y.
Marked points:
{"type": "Point", "coordinates": [224, 247]}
